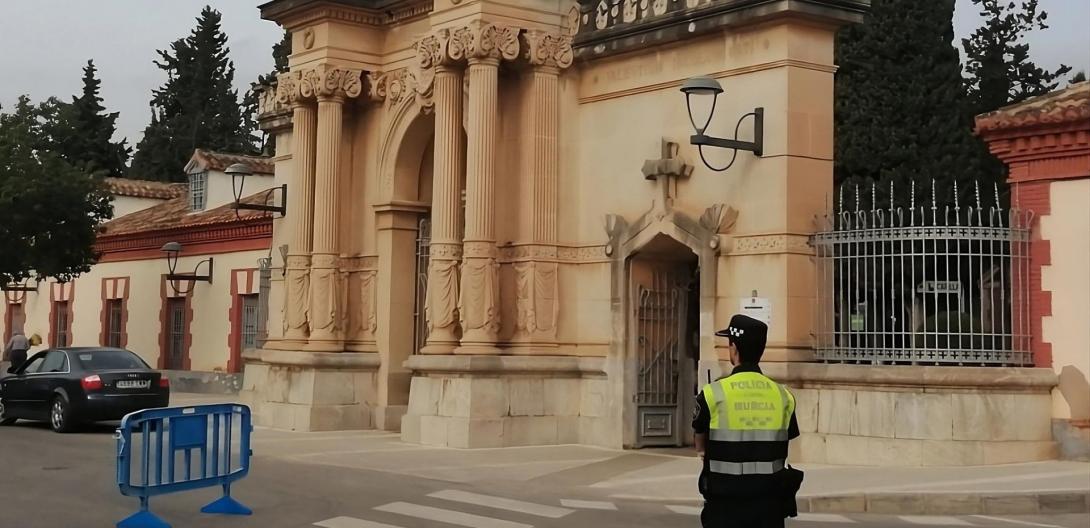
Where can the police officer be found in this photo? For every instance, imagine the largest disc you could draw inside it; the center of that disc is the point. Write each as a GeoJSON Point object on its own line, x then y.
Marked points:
{"type": "Point", "coordinates": [743, 423]}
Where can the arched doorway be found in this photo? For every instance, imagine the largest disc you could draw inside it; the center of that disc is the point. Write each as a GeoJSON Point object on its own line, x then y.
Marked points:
{"type": "Point", "coordinates": [664, 286]}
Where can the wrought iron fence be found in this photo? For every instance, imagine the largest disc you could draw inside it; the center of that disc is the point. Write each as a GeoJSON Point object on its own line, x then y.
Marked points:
{"type": "Point", "coordinates": [923, 284]}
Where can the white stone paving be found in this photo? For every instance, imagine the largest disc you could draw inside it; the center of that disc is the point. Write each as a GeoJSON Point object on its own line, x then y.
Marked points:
{"type": "Point", "coordinates": [501, 503]}
{"type": "Point", "coordinates": [448, 516]}
{"type": "Point", "coordinates": [588, 505]}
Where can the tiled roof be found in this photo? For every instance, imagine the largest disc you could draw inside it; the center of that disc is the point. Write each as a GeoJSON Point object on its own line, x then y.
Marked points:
{"type": "Point", "coordinates": [175, 213]}
{"type": "Point", "coordinates": [217, 161]}
{"type": "Point", "coordinates": [1067, 105]}
{"type": "Point", "coordinates": [144, 188]}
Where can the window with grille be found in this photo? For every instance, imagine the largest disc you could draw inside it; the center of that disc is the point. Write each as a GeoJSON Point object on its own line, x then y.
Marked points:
{"type": "Point", "coordinates": [175, 332]}
{"type": "Point", "coordinates": [113, 323]}
{"type": "Point", "coordinates": [60, 324]}
{"type": "Point", "coordinates": [198, 191]}
{"type": "Point", "coordinates": [249, 330]}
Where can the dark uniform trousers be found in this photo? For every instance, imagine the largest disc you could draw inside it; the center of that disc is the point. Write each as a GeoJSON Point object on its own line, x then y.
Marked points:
{"type": "Point", "coordinates": [755, 513]}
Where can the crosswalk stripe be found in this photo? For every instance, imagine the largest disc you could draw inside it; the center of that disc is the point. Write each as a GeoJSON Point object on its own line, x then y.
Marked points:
{"type": "Point", "coordinates": [588, 505]}
{"type": "Point", "coordinates": [501, 503]}
{"type": "Point", "coordinates": [823, 518]}
{"type": "Point", "coordinates": [934, 520]}
{"type": "Point", "coordinates": [351, 522]}
{"type": "Point", "coordinates": [684, 510]}
{"type": "Point", "coordinates": [1014, 521]}
{"type": "Point", "coordinates": [448, 516]}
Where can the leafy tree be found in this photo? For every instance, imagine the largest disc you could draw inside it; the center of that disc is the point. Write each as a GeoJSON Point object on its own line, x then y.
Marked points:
{"type": "Point", "coordinates": [999, 69]}
{"type": "Point", "coordinates": [1078, 78]}
{"type": "Point", "coordinates": [85, 131]}
{"type": "Point", "coordinates": [49, 209]}
{"type": "Point", "coordinates": [900, 107]}
{"type": "Point", "coordinates": [196, 107]}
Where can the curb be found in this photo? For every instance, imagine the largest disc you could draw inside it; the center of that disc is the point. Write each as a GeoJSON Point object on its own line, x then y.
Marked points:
{"type": "Point", "coordinates": [1013, 503]}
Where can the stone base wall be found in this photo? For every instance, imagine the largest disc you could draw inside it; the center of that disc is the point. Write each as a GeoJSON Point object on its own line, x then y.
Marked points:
{"type": "Point", "coordinates": [482, 402]}
{"type": "Point", "coordinates": [311, 391]}
{"type": "Point", "coordinates": [1073, 437]}
{"type": "Point", "coordinates": [203, 382]}
{"type": "Point", "coordinates": [920, 416]}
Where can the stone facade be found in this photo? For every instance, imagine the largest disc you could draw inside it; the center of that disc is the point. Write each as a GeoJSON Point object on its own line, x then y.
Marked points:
{"type": "Point", "coordinates": [495, 123]}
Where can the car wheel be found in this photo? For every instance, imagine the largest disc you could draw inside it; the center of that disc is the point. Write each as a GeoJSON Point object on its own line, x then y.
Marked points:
{"type": "Point", "coordinates": [4, 420]}
{"type": "Point", "coordinates": [60, 415]}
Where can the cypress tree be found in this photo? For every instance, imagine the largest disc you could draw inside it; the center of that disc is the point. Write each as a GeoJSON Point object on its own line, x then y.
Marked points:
{"type": "Point", "coordinates": [900, 108]}
{"type": "Point", "coordinates": [999, 69]}
{"type": "Point", "coordinates": [85, 131]}
{"type": "Point", "coordinates": [197, 107]}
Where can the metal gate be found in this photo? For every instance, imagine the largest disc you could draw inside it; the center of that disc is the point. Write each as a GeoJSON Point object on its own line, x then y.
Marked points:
{"type": "Point", "coordinates": [660, 295]}
{"type": "Point", "coordinates": [423, 245]}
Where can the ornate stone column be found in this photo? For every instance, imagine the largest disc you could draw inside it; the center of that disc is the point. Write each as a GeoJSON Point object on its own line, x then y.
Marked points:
{"type": "Point", "coordinates": [291, 89]}
{"type": "Point", "coordinates": [479, 307]}
{"type": "Point", "coordinates": [440, 52]}
{"type": "Point", "coordinates": [332, 86]}
{"type": "Point", "coordinates": [537, 278]}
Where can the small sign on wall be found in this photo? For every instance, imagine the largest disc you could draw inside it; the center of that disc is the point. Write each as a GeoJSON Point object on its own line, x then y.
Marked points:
{"type": "Point", "coordinates": [758, 308]}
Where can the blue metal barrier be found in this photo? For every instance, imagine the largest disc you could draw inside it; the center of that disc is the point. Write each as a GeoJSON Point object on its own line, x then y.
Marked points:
{"type": "Point", "coordinates": [217, 430]}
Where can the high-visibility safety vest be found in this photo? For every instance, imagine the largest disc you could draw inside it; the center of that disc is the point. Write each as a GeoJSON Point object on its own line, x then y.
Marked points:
{"type": "Point", "coordinates": [750, 418]}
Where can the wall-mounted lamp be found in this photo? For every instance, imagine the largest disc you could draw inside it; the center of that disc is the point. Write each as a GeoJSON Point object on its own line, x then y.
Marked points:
{"type": "Point", "coordinates": [239, 172]}
{"type": "Point", "coordinates": [172, 249]}
{"type": "Point", "coordinates": [696, 92]}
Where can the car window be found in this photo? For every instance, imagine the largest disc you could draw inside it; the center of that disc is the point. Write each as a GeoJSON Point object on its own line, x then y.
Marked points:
{"type": "Point", "coordinates": [33, 364]}
{"type": "Point", "coordinates": [110, 360]}
{"type": "Point", "coordinates": [54, 362]}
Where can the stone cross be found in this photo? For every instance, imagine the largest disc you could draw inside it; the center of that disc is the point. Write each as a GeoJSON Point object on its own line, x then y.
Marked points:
{"type": "Point", "coordinates": [665, 171]}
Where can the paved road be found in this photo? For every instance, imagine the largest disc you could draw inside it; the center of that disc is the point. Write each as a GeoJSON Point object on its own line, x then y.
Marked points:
{"type": "Point", "coordinates": [50, 480]}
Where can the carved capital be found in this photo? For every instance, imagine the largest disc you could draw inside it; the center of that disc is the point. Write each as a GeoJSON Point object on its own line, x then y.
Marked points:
{"type": "Point", "coordinates": [377, 86]}
{"type": "Point", "coordinates": [439, 49]}
{"type": "Point", "coordinates": [481, 40]}
{"type": "Point", "coordinates": [289, 88]}
{"type": "Point", "coordinates": [327, 81]}
{"type": "Point", "coordinates": [548, 49]}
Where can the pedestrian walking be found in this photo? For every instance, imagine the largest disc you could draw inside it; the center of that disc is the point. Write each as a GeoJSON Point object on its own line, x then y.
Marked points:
{"type": "Point", "coordinates": [15, 350]}
{"type": "Point", "coordinates": [743, 424]}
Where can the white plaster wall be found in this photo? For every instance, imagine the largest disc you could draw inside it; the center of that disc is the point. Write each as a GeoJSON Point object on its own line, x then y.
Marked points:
{"type": "Point", "coordinates": [124, 205]}
{"type": "Point", "coordinates": [211, 303]}
{"type": "Point", "coordinates": [220, 191]}
{"type": "Point", "coordinates": [1067, 228]}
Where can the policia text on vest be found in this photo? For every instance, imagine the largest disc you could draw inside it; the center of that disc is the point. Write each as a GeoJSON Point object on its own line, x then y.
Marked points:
{"type": "Point", "coordinates": [747, 420]}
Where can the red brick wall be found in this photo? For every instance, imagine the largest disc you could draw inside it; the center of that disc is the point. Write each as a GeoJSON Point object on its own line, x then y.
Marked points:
{"type": "Point", "coordinates": [1034, 196]}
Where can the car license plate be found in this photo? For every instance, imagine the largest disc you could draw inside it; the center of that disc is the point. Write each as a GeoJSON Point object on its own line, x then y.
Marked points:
{"type": "Point", "coordinates": [133, 384]}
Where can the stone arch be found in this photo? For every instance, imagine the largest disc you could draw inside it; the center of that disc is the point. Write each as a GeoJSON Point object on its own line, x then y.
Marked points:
{"type": "Point", "coordinates": [408, 138]}
{"type": "Point", "coordinates": [626, 240]}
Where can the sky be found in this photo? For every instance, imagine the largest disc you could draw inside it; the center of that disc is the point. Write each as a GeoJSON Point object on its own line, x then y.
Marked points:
{"type": "Point", "coordinates": [44, 45]}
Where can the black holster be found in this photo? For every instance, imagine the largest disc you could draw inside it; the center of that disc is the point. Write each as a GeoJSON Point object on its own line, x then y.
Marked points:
{"type": "Point", "coordinates": [790, 482]}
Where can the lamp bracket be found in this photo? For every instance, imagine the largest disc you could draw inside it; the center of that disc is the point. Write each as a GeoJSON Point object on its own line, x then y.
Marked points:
{"type": "Point", "coordinates": [282, 209]}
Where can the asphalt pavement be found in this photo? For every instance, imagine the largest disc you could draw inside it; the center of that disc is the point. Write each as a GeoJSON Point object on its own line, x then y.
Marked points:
{"type": "Point", "coordinates": [51, 480]}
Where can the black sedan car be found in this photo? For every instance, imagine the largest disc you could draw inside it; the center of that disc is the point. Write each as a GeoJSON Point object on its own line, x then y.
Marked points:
{"type": "Point", "coordinates": [70, 386]}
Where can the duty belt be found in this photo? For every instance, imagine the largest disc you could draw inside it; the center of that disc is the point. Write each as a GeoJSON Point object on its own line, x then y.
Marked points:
{"type": "Point", "coordinates": [746, 468]}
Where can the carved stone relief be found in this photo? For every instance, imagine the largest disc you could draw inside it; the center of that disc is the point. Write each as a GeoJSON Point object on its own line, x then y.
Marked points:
{"type": "Point", "coordinates": [478, 307]}
{"type": "Point", "coordinates": [536, 304]}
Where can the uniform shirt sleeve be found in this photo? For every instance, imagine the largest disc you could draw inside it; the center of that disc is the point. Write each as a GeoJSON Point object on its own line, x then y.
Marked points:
{"type": "Point", "coordinates": [793, 428]}
{"type": "Point", "coordinates": [702, 417]}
